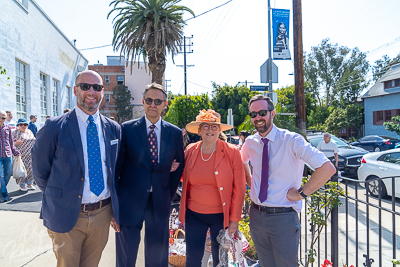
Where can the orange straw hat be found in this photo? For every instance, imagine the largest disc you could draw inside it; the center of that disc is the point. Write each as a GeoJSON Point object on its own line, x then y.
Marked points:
{"type": "Point", "coordinates": [209, 117]}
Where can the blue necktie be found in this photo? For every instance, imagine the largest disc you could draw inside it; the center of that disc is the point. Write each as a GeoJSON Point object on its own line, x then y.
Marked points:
{"type": "Point", "coordinates": [94, 158]}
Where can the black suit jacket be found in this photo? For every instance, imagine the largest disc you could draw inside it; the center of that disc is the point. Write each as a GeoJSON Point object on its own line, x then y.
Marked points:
{"type": "Point", "coordinates": [59, 169]}
{"type": "Point", "coordinates": [136, 174]}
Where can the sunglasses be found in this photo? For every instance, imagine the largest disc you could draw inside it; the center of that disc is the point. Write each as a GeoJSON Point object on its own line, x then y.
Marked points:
{"type": "Point", "coordinates": [213, 127]}
{"type": "Point", "coordinates": [3, 118]}
{"type": "Point", "coordinates": [262, 113]}
{"type": "Point", "coordinates": [86, 86]}
{"type": "Point", "coordinates": [22, 124]}
{"type": "Point", "coordinates": [157, 102]}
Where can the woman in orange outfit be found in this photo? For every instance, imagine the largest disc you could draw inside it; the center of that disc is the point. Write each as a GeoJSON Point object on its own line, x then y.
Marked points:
{"type": "Point", "coordinates": [213, 187]}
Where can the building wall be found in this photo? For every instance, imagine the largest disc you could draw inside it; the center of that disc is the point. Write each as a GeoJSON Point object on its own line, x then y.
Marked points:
{"type": "Point", "coordinates": [29, 36]}
{"type": "Point", "coordinates": [372, 104]}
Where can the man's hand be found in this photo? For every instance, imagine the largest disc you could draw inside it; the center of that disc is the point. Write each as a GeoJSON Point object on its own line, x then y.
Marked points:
{"type": "Point", "coordinates": [18, 142]}
{"type": "Point", "coordinates": [293, 195]}
{"type": "Point", "coordinates": [233, 227]}
{"type": "Point", "coordinates": [174, 166]}
{"type": "Point", "coordinates": [115, 225]}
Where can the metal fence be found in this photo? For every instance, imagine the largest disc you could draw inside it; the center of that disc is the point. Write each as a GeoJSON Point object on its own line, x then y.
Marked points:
{"type": "Point", "coordinates": [360, 232]}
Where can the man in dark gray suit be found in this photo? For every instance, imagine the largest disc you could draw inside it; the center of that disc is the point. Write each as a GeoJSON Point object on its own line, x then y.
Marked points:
{"type": "Point", "coordinates": [73, 163]}
{"type": "Point", "coordinates": [147, 182]}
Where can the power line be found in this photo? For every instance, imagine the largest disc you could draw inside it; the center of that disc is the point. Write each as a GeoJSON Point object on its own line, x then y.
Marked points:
{"type": "Point", "coordinates": [201, 85]}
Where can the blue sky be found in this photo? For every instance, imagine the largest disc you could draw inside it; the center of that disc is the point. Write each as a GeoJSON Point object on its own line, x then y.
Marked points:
{"type": "Point", "coordinates": [230, 43]}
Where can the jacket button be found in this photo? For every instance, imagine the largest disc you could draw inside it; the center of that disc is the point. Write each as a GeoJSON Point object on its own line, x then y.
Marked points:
{"type": "Point", "coordinates": [221, 188]}
{"type": "Point", "coordinates": [83, 179]}
{"type": "Point", "coordinates": [81, 197]}
{"type": "Point", "coordinates": [216, 173]}
{"type": "Point", "coordinates": [223, 204]}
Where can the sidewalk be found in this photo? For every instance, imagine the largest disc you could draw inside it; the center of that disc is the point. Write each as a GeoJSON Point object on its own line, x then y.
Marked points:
{"type": "Point", "coordinates": [24, 242]}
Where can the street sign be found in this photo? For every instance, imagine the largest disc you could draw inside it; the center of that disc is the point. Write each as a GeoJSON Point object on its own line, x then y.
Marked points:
{"type": "Point", "coordinates": [258, 88]}
{"type": "Point", "coordinates": [264, 72]}
{"type": "Point", "coordinates": [273, 96]}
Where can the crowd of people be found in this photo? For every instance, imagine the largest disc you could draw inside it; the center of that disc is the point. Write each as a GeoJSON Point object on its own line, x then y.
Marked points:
{"type": "Point", "coordinates": [95, 173]}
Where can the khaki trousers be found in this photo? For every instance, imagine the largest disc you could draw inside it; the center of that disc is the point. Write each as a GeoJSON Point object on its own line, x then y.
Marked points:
{"type": "Point", "coordinates": [83, 245]}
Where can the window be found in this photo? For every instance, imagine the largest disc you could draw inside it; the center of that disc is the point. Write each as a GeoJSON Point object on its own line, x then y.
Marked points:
{"type": "Point", "coordinates": [120, 80]}
{"type": "Point", "coordinates": [43, 96]}
{"type": "Point", "coordinates": [107, 98]}
{"type": "Point", "coordinates": [388, 84]}
{"type": "Point", "coordinates": [380, 115]}
{"type": "Point", "coordinates": [20, 86]}
{"type": "Point", "coordinates": [397, 82]}
{"type": "Point", "coordinates": [107, 79]}
{"type": "Point", "coordinates": [68, 105]}
{"type": "Point", "coordinates": [55, 97]}
{"type": "Point", "coordinates": [392, 158]}
{"type": "Point", "coordinates": [388, 115]}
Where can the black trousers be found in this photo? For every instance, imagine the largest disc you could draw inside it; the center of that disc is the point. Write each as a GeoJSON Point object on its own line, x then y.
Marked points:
{"type": "Point", "coordinates": [196, 226]}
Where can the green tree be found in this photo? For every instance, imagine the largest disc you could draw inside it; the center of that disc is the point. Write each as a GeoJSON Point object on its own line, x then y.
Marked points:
{"type": "Point", "coordinates": [394, 125]}
{"type": "Point", "coordinates": [122, 99]}
{"type": "Point", "coordinates": [333, 73]}
{"type": "Point", "coordinates": [148, 28]}
{"type": "Point", "coordinates": [231, 97]}
{"type": "Point", "coordinates": [341, 118]}
{"type": "Point", "coordinates": [382, 65]}
{"type": "Point", "coordinates": [185, 108]}
{"type": "Point", "coordinates": [316, 119]}
{"type": "Point", "coordinates": [4, 72]}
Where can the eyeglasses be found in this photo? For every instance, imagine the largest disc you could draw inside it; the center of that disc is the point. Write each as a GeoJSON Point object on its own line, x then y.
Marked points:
{"type": "Point", "coordinates": [3, 118]}
{"type": "Point", "coordinates": [86, 86]}
{"type": "Point", "coordinates": [206, 127]}
{"type": "Point", "coordinates": [262, 113]}
{"type": "Point", "coordinates": [22, 124]}
{"type": "Point", "coordinates": [157, 102]}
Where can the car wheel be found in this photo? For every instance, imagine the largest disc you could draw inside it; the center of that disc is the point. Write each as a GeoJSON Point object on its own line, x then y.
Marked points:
{"type": "Point", "coordinates": [377, 149]}
{"type": "Point", "coordinates": [373, 187]}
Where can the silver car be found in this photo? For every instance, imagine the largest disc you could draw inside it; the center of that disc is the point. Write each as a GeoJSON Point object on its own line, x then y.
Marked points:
{"type": "Point", "coordinates": [379, 165]}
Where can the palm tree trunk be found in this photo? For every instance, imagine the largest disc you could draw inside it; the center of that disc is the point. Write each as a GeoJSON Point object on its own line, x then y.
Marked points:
{"type": "Point", "coordinates": [156, 62]}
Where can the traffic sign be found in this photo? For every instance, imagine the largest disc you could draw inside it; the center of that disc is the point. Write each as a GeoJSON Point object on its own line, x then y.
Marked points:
{"type": "Point", "coordinates": [264, 72]}
{"type": "Point", "coordinates": [258, 88]}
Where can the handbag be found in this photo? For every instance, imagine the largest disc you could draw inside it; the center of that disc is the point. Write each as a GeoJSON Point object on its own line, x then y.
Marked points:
{"type": "Point", "coordinates": [19, 170]}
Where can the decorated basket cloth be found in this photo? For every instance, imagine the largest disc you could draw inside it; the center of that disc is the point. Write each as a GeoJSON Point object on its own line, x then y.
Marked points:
{"type": "Point", "coordinates": [177, 260]}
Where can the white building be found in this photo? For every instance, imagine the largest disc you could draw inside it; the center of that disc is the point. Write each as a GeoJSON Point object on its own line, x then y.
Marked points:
{"type": "Point", "coordinates": [40, 60]}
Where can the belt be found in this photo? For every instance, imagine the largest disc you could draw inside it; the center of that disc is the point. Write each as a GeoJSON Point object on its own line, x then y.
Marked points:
{"type": "Point", "coordinates": [95, 206]}
{"type": "Point", "coordinates": [272, 209]}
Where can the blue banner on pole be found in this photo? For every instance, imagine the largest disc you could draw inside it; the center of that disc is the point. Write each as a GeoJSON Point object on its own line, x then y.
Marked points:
{"type": "Point", "coordinates": [280, 27]}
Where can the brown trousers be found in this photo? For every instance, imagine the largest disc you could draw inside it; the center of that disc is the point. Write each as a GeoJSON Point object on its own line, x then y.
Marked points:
{"type": "Point", "coordinates": [83, 245]}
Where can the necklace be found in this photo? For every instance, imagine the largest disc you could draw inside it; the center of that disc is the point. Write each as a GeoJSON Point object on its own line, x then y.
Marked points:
{"type": "Point", "coordinates": [210, 155]}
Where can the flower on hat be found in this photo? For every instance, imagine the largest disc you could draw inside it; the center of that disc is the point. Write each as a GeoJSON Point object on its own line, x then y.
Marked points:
{"type": "Point", "coordinates": [207, 116]}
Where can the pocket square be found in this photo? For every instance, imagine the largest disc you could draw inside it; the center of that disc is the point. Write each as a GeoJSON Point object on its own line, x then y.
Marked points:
{"type": "Point", "coordinates": [113, 142]}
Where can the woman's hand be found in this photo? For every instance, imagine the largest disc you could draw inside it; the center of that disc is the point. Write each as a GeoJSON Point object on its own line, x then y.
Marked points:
{"type": "Point", "coordinates": [115, 225]}
{"type": "Point", "coordinates": [18, 142]}
{"type": "Point", "coordinates": [174, 166]}
{"type": "Point", "coordinates": [233, 227]}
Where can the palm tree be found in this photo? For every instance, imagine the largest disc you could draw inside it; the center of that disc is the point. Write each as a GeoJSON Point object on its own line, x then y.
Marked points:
{"type": "Point", "coordinates": [148, 28]}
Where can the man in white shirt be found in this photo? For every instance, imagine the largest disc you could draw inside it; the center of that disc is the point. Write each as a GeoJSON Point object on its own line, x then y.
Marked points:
{"type": "Point", "coordinates": [278, 158]}
{"type": "Point", "coordinates": [330, 149]}
{"type": "Point", "coordinates": [11, 124]}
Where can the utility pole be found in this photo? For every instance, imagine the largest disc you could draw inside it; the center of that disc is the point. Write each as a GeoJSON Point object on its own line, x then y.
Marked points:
{"type": "Point", "coordinates": [190, 44]}
{"type": "Point", "coordinates": [167, 85]}
{"type": "Point", "coordinates": [245, 82]}
{"type": "Point", "coordinates": [300, 103]}
{"type": "Point", "coordinates": [269, 77]}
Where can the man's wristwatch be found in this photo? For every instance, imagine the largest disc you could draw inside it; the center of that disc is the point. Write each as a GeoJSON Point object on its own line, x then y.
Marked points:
{"type": "Point", "coordinates": [300, 190]}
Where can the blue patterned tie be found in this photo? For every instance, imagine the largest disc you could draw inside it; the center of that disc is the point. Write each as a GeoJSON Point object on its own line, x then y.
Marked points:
{"type": "Point", "coordinates": [94, 158]}
{"type": "Point", "coordinates": [153, 146]}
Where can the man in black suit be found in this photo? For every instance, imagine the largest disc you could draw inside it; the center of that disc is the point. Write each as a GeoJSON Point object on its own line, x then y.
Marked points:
{"type": "Point", "coordinates": [147, 182]}
{"type": "Point", "coordinates": [73, 163]}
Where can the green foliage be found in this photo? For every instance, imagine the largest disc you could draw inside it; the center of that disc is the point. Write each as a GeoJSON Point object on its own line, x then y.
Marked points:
{"type": "Point", "coordinates": [235, 97]}
{"type": "Point", "coordinates": [244, 227]}
{"type": "Point", "coordinates": [396, 262]}
{"type": "Point", "coordinates": [382, 65]}
{"type": "Point", "coordinates": [4, 72]}
{"type": "Point", "coordinates": [185, 108]}
{"type": "Point", "coordinates": [148, 28]}
{"type": "Point", "coordinates": [316, 119]}
{"type": "Point", "coordinates": [394, 125]}
{"type": "Point", "coordinates": [122, 99]}
{"type": "Point", "coordinates": [349, 117]}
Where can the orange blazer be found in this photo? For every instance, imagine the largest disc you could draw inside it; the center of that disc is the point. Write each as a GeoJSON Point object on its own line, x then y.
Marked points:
{"type": "Point", "coordinates": [230, 177]}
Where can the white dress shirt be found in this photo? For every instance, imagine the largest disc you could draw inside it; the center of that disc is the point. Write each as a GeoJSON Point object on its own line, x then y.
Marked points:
{"type": "Point", "coordinates": [83, 122]}
{"type": "Point", "coordinates": [288, 152]}
{"type": "Point", "coordinates": [329, 149]}
{"type": "Point", "coordinates": [157, 130]}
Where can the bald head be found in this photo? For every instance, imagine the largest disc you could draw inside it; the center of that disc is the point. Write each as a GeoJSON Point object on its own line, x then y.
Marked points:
{"type": "Point", "coordinates": [88, 73]}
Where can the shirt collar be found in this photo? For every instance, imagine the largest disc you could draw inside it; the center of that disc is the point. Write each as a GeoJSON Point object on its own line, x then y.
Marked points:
{"type": "Point", "coordinates": [157, 124]}
{"type": "Point", "coordinates": [270, 136]}
{"type": "Point", "coordinates": [81, 114]}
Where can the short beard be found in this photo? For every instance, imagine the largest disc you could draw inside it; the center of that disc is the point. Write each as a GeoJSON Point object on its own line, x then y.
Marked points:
{"type": "Point", "coordinates": [264, 128]}
{"type": "Point", "coordinates": [95, 107]}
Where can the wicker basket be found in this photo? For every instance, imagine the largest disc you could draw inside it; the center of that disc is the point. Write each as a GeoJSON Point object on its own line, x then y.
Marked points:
{"type": "Point", "coordinates": [177, 260]}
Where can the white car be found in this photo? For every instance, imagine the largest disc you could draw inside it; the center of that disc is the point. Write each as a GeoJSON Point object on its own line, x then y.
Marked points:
{"type": "Point", "coordinates": [378, 165]}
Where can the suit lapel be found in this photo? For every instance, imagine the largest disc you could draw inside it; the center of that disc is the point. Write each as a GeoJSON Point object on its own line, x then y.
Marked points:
{"type": "Point", "coordinates": [142, 133]}
{"type": "Point", "coordinates": [165, 133]}
{"type": "Point", "coordinates": [73, 126]}
{"type": "Point", "coordinates": [219, 153]}
{"type": "Point", "coordinates": [105, 126]}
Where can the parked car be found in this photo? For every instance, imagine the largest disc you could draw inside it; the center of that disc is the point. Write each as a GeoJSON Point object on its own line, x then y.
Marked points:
{"type": "Point", "coordinates": [379, 165]}
{"type": "Point", "coordinates": [376, 143]}
{"type": "Point", "coordinates": [233, 140]}
{"type": "Point", "coordinates": [349, 156]}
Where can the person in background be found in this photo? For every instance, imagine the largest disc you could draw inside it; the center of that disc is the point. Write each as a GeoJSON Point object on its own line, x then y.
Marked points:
{"type": "Point", "coordinates": [7, 149]}
{"type": "Point", "coordinates": [11, 124]}
{"type": "Point", "coordinates": [329, 148]}
{"type": "Point", "coordinates": [73, 163]}
{"type": "Point", "coordinates": [186, 140]}
{"type": "Point", "coordinates": [242, 137]}
{"type": "Point", "coordinates": [24, 141]}
{"type": "Point", "coordinates": [32, 126]}
{"type": "Point", "coordinates": [223, 137]}
{"type": "Point", "coordinates": [278, 157]}
{"type": "Point", "coordinates": [67, 110]}
{"type": "Point", "coordinates": [213, 187]}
